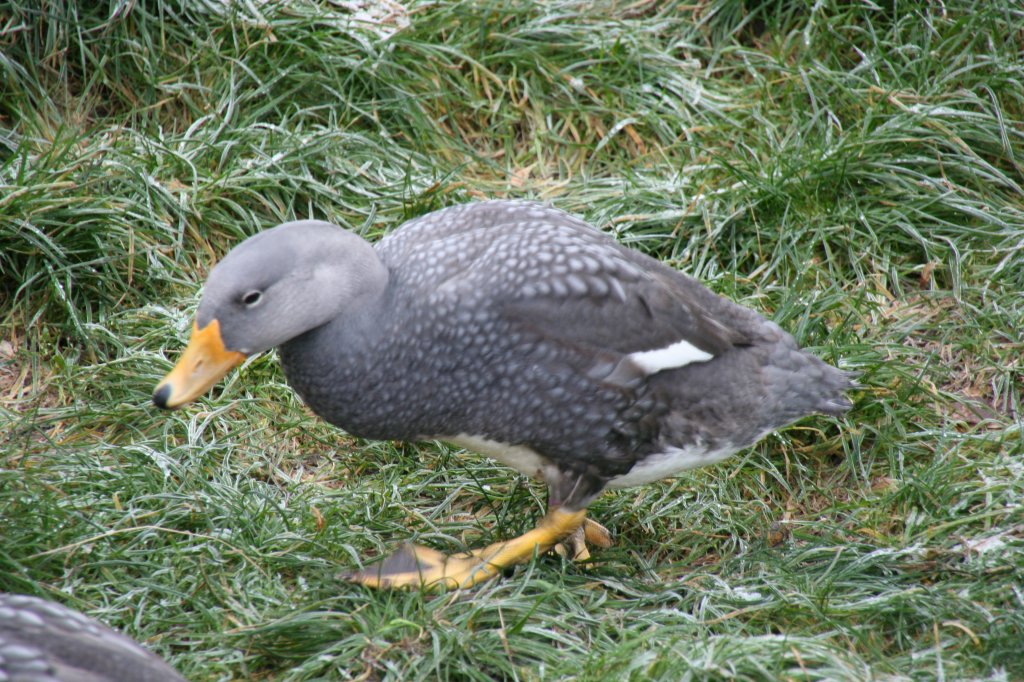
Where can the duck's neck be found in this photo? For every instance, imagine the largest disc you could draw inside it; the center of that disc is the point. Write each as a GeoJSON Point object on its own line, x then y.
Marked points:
{"type": "Point", "coordinates": [333, 366]}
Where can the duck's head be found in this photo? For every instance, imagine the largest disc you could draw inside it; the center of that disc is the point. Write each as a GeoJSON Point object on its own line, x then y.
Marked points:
{"type": "Point", "coordinates": [269, 289]}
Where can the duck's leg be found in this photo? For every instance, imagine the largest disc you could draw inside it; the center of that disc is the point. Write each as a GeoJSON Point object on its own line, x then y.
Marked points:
{"type": "Point", "coordinates": [415, 566]}
{"type": "Point", "coordinates": [590, 532]}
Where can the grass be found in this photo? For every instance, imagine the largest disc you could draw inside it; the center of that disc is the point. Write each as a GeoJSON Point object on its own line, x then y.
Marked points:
{"type": "Point", "coordinates": [853, 170]}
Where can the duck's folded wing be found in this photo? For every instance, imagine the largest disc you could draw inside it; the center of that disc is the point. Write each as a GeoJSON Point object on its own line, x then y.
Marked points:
{"type": "Point", "coordinates": [556, 278]}
{"type": "Point", "coordinates": [632, 322]}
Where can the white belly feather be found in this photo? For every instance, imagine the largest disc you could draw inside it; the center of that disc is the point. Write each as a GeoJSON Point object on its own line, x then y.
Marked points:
{"type": "Point", "coordinates": [659, 465]}
{"type": "Point", "coordinates": [652, 468]}
{"type": "Point", "coordinates": [519, 457]}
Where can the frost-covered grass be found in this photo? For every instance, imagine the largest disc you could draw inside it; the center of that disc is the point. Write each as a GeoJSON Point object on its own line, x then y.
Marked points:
{"type": "Point", "coordinates": [854, 171]}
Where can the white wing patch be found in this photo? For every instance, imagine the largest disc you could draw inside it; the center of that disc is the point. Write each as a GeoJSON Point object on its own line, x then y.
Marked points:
{"type": "Point", "coordinates": [677, 355]}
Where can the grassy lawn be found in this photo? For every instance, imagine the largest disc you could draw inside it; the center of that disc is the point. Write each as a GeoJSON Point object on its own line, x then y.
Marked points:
{"type": "Point", "coordinates": [853, 170]}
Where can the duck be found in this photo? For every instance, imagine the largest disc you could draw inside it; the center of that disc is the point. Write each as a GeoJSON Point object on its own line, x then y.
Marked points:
{"type": "Point", "coordinates": [514, 330]}
{"type": "Point", "coordinates": [43, 641]}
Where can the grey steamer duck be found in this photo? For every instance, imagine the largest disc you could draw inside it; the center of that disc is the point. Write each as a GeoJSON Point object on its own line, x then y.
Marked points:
{"type": "Point", "coordinates": [515, 330]}
{"type": "Point", "coordinates": [43, 641]}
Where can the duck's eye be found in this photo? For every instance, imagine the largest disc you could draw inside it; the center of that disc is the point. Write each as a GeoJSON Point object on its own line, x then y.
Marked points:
{"type": "Point", "coordinates": [252, 298]}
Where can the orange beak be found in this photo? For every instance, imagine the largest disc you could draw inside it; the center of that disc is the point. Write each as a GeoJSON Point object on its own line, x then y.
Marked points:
{"type": "Point", "coordinates": [203, 363]}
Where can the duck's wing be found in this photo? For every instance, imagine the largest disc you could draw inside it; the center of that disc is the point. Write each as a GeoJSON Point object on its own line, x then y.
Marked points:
{"type": "Point", "coordinates": [556, 278]}
{"type": "Point", "coordinates": [633, 321]}
{"type": "Point", "coordinates": [560, 279]}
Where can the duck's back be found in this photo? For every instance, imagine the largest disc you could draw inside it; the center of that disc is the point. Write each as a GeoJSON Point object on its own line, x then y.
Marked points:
{"type": "Point", "coordinates": [42, 641]}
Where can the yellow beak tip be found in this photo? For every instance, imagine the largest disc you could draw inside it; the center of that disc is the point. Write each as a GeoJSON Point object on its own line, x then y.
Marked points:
{"type": "Point", "coordinates": [203, 363]}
